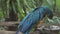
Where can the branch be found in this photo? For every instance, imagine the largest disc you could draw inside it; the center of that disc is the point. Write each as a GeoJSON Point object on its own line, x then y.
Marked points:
{"type": "Point", "coordinates": [8, 23]}
{"type": "Point", "coordinates": [9, 32]}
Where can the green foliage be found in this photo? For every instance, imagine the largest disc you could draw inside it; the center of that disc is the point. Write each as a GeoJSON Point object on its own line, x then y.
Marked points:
{"type": "Point", "coordinates": [1, 14]}
{"type": "Point", "coordinates": [58, 4]}
{"type": "Point", "coordinates": [23, 6]}
{"type": "Point", "coordinates": [55, 20]}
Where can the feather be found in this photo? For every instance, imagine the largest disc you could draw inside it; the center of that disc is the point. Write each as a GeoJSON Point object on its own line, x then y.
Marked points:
{"type": "Point", "coordinates": [32, 18]}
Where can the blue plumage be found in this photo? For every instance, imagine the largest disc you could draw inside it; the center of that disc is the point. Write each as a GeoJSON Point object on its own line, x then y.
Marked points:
{"type": "Point", "coordinates": [32, 18]}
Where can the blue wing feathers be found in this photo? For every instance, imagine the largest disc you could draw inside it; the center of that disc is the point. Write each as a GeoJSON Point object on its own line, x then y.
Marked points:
{"type": "Point", "coordinates": [28, 21]}
{"type": "Point", "coordinates": [26, 24]}
{"type": "Point", "coordinates": [21, 23]}
{"type": "Point", "coordinates": [31, 19]}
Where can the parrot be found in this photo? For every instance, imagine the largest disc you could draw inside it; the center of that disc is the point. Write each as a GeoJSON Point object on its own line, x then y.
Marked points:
{"type": "Point", "coordinates": [32, 18]}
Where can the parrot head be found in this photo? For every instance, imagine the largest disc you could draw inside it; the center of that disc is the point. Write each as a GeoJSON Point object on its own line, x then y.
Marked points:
{"type": "Point", "coordinates": [49, 13]}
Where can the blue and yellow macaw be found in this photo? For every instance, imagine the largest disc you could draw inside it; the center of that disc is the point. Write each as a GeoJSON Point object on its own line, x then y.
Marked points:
{"type": "Point", "coordinates": [31, 19]}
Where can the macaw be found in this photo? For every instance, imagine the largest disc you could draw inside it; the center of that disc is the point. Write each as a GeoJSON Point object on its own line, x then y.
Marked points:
{"type": "Point", "coordinates": [31, 19]}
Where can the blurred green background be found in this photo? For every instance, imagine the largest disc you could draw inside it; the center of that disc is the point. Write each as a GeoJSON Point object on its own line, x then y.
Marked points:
{"type": "Point", "coordinates": [16, 10]}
